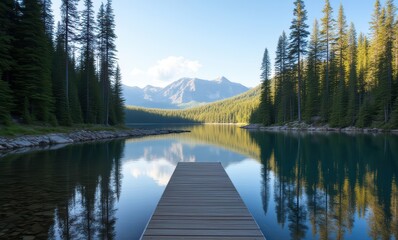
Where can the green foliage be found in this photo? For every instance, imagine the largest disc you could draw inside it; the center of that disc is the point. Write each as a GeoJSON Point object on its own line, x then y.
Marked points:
{"type": "Point", "coordinates": [284, 85]}
{"type": "Point", "coordinates": [233, 110]}
{"type": "Point", "coordinates": [347, 80]}
{"type": "Point", "coordinates": [32, 73]}
{"type": "Point", "coordinates": [312, 100]}
{"type": "Point", "coordinates": [6, 103]}
{"type": "Point", "coordinates": [352, 105]}
{"type": "Point", "coordinates": [44, 77]}
{"type": "Point", "coordinates": [327, 39]}
{"type": "Point", "coordinates": [117, 99]}
{"type": "Point", "coordinates": [297, 46]}
{"type": "Point", "coordinates": [26, 115]}
{"type": "Point", "coordinates": [266, 108]}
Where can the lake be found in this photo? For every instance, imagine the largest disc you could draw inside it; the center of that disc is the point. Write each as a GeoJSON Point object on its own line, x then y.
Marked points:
{"type": "Point", "coordinates": [296, 185]}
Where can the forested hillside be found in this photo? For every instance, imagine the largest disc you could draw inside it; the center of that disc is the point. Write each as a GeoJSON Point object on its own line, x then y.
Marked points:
{"type": "Point", "coordinates": [237, 109]}
{"type": "Point", "coordinates": [334, 75]}
{"type": "Point", "coordinates": [64, 77]}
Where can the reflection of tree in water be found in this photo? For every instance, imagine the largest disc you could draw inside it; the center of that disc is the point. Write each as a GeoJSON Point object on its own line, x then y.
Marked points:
{"type": "Point", "coordinates": [80, 184]}
{"type": "Point", "coordinates": [90, 210]}
{"type": "Point", "coordinates": [325, 181]}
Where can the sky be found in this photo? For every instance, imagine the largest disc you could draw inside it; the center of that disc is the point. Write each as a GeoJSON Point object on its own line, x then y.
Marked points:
{"type": "Point", "coordinates": [160, 41]}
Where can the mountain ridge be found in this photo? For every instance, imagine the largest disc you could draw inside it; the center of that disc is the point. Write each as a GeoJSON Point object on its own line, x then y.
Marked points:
{"type": "Point", "coordinates": [185, 92]}
{"type": "Point", "coordinates": [237, 109]}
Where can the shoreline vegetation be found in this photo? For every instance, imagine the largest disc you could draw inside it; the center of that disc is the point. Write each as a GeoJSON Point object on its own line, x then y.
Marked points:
{"type": "Point", "coordinates": [74, 135]}
{"type": "Point", "coordinates": [304, 127]}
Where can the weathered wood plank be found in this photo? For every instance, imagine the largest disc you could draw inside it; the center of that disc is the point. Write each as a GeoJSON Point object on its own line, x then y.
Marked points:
{"type": "Point", "coordinates": [200, 202]}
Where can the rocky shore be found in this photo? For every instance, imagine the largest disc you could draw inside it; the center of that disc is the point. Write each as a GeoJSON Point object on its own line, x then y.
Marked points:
{"type": "Point", "coordinates": [12, 143]}
{"type": "Point", "coordinates": [303, 127]}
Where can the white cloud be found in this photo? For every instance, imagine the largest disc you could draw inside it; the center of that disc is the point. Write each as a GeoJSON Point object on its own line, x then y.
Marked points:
{"type": "Point", "coordinates": [163, 72]}
{"type": "Point", "coordinates": [160, 170]}
{"type": "Point", "coordinates": [174, 67]}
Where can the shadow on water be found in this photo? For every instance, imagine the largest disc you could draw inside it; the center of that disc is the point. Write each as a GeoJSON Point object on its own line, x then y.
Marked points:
{"type": "Point", "coordinates": [326, 184]}
{"type": "Point", "coordinates": [70, 191]}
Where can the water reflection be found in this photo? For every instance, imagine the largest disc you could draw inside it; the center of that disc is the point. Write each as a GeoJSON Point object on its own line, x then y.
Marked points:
{"type": "Point", "coordinates": [297, 186]}
{"type": "Point", "coordinates": [69, 193]}
{"type": "Point", "coordinates": [326, 184]}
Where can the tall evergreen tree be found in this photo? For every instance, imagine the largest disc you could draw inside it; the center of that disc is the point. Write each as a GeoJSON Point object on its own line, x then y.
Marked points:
{"type": "Point", "coordinates": [117, 96]}
{"type": "Point", "coordinates": [362, 66]}
{"type": "Point", "coordinates": [364, 85]}
{"type": "Point", "coordinates": [386, 61]}
{"type": "Point", "coordinates": [70, 23]}
{"type": "Point", "coordinates": [265, 99]}
{"type": "Point", "coordinates": [107, 52]}
{"type": "Point", "coordinates": [58, 76]}
{"type": "Point", "coordinates": [327, 37]}
{"type": "Point", "coordinates": [88, 77]}
{"type": "Point", "coordinates": [283, 89]}
{"type": "Point", "coordinates": [48, 18]}
{"type": "Point", "coordinates": [353, 102]}
{"type": "Point", "coordinates": [339, 96]}
{"type": "Point", "coordinates": [298, 43]}
{"type": "Point", "coordinates": [312, 100]}
{"type": "Point", "coordinates": [6, 9]}
{"type": "Point", "coordinates": [32, 83]}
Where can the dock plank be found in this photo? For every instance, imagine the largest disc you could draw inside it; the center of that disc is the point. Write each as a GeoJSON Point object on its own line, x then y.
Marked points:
{"type": "Point", "coordinates": [200, 202]}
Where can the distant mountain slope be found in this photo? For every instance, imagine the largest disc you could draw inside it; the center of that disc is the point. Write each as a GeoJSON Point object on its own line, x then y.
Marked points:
{"type": "Point", "coordinates": [185, 92]}
{"type": "Point", "coordinates": [237, 109]}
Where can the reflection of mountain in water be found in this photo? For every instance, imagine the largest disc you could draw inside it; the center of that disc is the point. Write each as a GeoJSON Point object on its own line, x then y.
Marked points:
{"type": "Point", "coordinates": [229, 137]}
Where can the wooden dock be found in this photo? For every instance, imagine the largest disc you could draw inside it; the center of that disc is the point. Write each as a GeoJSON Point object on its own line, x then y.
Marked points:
{"type": "Point", "coordinates": [200, 202]}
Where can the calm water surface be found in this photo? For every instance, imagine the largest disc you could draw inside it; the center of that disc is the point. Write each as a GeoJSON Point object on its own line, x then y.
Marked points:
{"type": "Point", "coordinates": [297, 186]}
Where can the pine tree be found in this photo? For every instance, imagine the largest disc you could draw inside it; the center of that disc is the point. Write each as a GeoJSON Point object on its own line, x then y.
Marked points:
{"type": "Point", "coordinates": [362, 66]}
{"type": "Point", "coordinates": [282, 91]}
{"type": "Point", "coordinates": [353, 102]}
{"type": "Point", "coordinates": [74, 101]}
{"type": "Point", "coordinates": [5, 61]}
{"type": "Point", "coordinates": [47, 18]}
{"type": "Point", "coordinates": [107, 52]}
{"type": "Point", "coordinates": [312, 100]}
{"type": "Point", "coordinates": [88, 77]}
{"type": "Point", "coordinates": [386, 79]}
{"type": "Point", "coordinates": [265, 99]}
{"type": "Point", "coordinates": [118, 102]}
{"type": "Point", "coordinates": [33, 64]}
{"type": "Point", "coordinates": [58, 76]}
{"type": "Point", "coordinates": [327, 37]}
{"type": "Point", "coordinates": [298, 43]}
{"type": "Point", "coordinates": [5, 37]}
{"type": "Point", "coordinates": [339, 96]}
{"type": "Point", "coordinates": [70, 22]}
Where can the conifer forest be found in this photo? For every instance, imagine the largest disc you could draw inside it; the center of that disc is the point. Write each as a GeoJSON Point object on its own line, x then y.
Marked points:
{"type": "Point", "coordinates": [334, 75]}
{"type": "Point", "coordinates": [61, 73]}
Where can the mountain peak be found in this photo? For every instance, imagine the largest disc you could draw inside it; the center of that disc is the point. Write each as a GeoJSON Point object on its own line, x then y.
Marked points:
{"type": "Point", "coordinates": [184, 92]}
{"type": "Point", "coordinates": [221, 79]}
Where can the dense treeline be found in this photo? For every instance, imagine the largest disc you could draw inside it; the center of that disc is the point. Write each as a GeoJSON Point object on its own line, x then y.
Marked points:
{"type": "Point", "coordinates": [345, 78]}
{"type": "Point", "coordinates": [237, 109]}
{"type": "Point", "coordinates": [64, 77]}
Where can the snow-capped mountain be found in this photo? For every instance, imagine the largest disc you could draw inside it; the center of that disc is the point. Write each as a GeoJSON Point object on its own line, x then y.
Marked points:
{"type": "Point", "coordinates": [182, 93]}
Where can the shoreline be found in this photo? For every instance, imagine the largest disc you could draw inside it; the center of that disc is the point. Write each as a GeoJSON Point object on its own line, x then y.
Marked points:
{"type": "Point", "coordinates": [302, 127]}
{"type": "Point", "coordinates": [78, 136]}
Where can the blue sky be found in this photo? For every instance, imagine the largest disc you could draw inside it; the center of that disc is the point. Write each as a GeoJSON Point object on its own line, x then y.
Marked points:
{"type": "Point", "coordinates": [160, 41]}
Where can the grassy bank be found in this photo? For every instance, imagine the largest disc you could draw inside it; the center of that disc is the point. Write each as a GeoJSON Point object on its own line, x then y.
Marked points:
{"type": "Point", "coordinates": [20, 129]}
